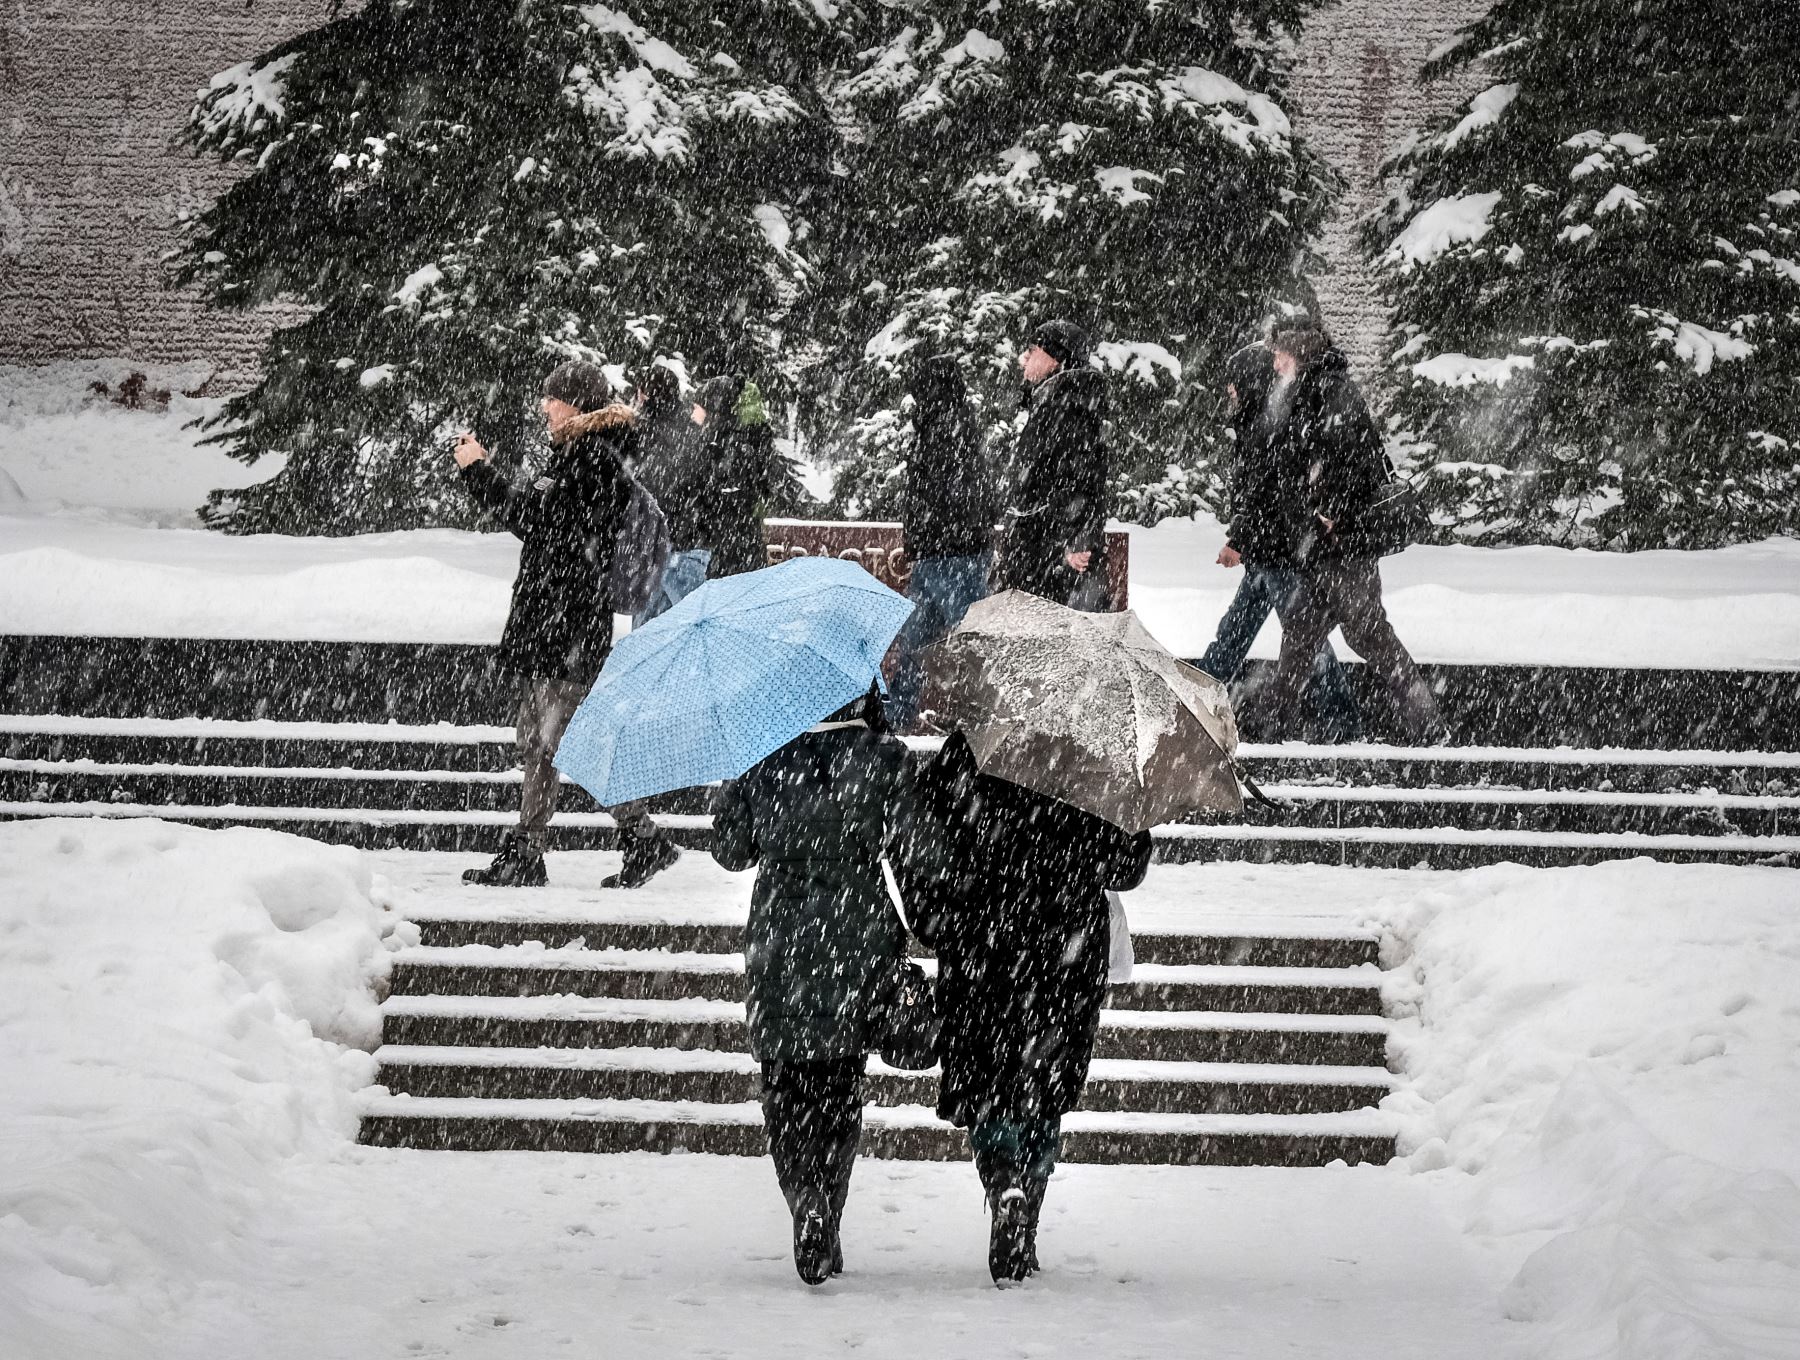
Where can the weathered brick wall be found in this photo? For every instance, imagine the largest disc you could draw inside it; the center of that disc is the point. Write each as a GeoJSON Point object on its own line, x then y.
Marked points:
{"type": "Point", "coordinates": [1357, 98]}
{"type": "Point", "coordinates": [92, 93]}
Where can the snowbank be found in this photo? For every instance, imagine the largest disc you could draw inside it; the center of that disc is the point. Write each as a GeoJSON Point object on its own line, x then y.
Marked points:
{"type": "Point", "coordinates": [1733, 608]}
{"type": "Point", "coordinates": [67, 447]}
{"type": "Point", "coordinates": [180, 1012]}
{"type": "Point", "coordinates": [1604, 1065]}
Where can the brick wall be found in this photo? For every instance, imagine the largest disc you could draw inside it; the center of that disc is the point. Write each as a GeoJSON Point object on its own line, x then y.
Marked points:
{"type": "Point", "coordinates": [92, 93]}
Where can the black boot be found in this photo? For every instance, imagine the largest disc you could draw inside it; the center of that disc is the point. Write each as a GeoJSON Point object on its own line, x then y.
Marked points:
{"type": "Point", "coordinates": [1034, 1205]}
{"type": "Point", "coordinates": [813, 1240]}
{"type": "Point", "coordinates": [645, 858]}
{"type": "Point", "coordinates": [518, 865]}
{"type": "Point", "coordinates": [1009, 1247]}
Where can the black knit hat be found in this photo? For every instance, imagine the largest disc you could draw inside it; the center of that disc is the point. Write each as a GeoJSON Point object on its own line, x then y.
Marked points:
{"type": "Point", "coordinates": [1064, 342]}
{"type": "Point", "coordinates": [1300, 335]}
{"type": "Point", "coordinates": [581, 384]}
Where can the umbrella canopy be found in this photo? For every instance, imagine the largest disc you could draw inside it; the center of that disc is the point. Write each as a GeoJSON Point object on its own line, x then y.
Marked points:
{"type": "Point", "coordinates": [1089, 709]}
{"type": "Point", "coordinates": [737, 669]}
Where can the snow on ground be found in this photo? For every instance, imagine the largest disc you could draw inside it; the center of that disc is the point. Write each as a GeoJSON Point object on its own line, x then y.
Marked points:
{"type": "Point", "coordinates": [1605, 1063]}
{"type": "Point", "coordinates": [1601, 1106]}
{"type": "Point", "coordinates": [65, 448]}
{"type": "Point", "coordinates": [104, 541]}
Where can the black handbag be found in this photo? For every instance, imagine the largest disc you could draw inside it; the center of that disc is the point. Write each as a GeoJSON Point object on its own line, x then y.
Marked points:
{"type": "Point", "coordinates": [1394, 520]}
{"type": "Point", "coordinates": [906, 1020]}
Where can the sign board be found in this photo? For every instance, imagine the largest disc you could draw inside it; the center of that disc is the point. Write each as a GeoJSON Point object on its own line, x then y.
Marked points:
{"type": "Point", "coordinates": [880, 548]}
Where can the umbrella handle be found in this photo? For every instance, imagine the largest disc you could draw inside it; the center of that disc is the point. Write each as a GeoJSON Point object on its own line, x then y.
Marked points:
{"type": "Point", "coordinates": [1250, 787]}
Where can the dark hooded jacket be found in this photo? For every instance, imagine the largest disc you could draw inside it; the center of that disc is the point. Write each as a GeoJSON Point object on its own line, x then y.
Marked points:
{"type": "Point", "coordinates": [672, 465]}
{"type": "Point", "coordinates": [951, 499]}
{"type": "Point", "coordinates": [1322, 454]}
{"type": "Point", "coordinates": [1268, 502]}
{"type": "Point", "coordinates": [816, 818]}
{"type": "Point", "coordinates": [745, 476]}
{"type": "Point", "coordinates": [1009, 887]}
{"type": "Point", "coordinates": [1061, 502]}
{"type": "Point", "coordinates": [567, 520]}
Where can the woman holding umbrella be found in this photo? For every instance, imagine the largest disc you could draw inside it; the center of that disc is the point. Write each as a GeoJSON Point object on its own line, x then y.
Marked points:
{"type": "Point", "coordinates": [1074, 734]}
{"type": "Point", "coordinates": [820, 950]}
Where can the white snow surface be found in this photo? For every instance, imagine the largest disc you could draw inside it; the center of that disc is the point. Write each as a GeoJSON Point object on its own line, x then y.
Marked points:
{"type": "Point", "coordinates": [1599, 1103]}
{"type": "Point", "coordinates": [181, 1014]}
{"type": "Point", "coordinates": [1603, 1065]}
{"type": "Point", "coordinates": [1456, 219]}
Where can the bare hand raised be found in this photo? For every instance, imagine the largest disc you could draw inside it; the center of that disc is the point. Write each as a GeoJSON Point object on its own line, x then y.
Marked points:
{"type": "Point", "coordinates": [468, 449]}
{"type": "Point", "coordinates": [1229, 557]}
{"type": "Point", "coordinates": [1081, 561]}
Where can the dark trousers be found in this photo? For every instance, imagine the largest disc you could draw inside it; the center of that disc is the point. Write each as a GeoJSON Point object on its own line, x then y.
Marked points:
{"type": "Point", "coordinates": [1258, 595]}
{"type": "Point", "coordinates": [1347, 594]}
{"type": "Point", "coordinates": [1012, 1152]}
{"type": "Point", "coordinates": [813, 1114]}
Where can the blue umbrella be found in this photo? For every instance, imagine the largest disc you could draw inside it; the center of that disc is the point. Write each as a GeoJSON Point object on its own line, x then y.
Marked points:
{"type": "Point", "coordinates": [736, 670]}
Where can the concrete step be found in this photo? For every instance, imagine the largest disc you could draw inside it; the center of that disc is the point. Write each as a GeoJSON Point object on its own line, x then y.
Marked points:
{"type": "Point", "coordinates": [732, 1078]}
{"type": "Point", "coordinates": [479, 970]}
{"type": "Point", "coordinates": [578, 1022]}
{"type": "Point", "coordinates": [504, 925]}
{"type": "Point", "coordinates": [908, 1132]}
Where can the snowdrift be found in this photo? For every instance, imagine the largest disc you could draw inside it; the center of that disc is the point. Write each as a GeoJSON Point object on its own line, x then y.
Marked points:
{"type": "Point", "coordinates": [181, 1011]}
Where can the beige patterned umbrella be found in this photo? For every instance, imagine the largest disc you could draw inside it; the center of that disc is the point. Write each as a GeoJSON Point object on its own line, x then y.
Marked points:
{"type": "Point", "coordinates": [1089, 709]}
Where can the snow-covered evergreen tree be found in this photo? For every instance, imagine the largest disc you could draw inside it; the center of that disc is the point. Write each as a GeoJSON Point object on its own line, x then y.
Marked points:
{"type": "Point", "coordinates": [1595, 270]}
{"type": "Point", "coordinates": [1126, 164]}
{"type": "Point", "coordinates": [462, 194]}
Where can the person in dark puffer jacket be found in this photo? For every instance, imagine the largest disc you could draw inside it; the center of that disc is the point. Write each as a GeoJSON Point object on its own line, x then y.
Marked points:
{"type": "Point", "coordinates": [816, 818]}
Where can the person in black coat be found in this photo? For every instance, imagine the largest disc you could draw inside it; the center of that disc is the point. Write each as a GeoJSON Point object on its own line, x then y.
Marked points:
{"type": "Point", "coordinates": [746, 476]}
{"type": "Point", "coordinates": [1009, 887]}
{"type": "Point", "coordinates": [1322, 426]}
{"type": "Point", "coordinates": [674, 466]}
{"type": "Point", "coordinates": [823, 941]}
{"type": "Point", "coordinates": [560, 627]}
{"type": "Point", "coordinates": [1056, 545]}
{"type": "Point", "coordinates": [950, 503]}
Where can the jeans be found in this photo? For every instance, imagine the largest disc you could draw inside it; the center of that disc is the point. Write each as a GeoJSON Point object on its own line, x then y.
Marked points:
{"type": "Point", "coordinates": [1262, 592]}
{"type": "Point", "coordinates": [685, 573]}
{"type": "Point", "coordinates": [941, 589]}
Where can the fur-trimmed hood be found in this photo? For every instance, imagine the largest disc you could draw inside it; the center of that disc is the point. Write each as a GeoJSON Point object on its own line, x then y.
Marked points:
{"type": "Point", "coordinates": [615, 416]}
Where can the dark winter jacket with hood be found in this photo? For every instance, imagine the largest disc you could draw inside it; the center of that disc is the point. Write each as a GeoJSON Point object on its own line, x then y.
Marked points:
{"type": "Point", "coordinates": [743, 474]}
{"type": "Point", "coordinates": [1324, 458]}
{"type": "Point", "coordinates": [1009, 886]}
{"type": "Point", "coordinates": [672, 465]}
{"type": "Point", "coordinates": [951, 499]}
{"type": "Point", "coordinates": [1061, 501]}
{"type": "Point", "coordinates": [567, 520]}
{"type": "Point", "coordinates": [1268, 501]}
{"type": "Point", "coordinates": [815, 818]}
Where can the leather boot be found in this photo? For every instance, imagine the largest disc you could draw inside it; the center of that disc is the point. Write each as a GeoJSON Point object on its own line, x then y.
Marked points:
{"type": "Point", "coordinates": [518, 865]}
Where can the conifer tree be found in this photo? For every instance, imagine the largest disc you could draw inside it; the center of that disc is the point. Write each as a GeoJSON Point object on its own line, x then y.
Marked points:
{"type": "Point", "coordinates": [1126, 164]}
{"type": "Point", "coordinates": [462, 194]}
{"type": "Point", "coordinates": [1595, 273]}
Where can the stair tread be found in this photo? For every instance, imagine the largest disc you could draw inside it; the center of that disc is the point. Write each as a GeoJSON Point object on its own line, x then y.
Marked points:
{"type": "Point", "coordinates": [600, 960]}
{"type": "Point", "coordinates": [1367, 1123]}
{"type": "Point", "coordinates": [709, 1060]}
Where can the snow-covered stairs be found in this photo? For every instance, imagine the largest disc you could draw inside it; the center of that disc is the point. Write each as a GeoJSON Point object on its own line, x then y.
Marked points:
{"type": "Point", "coordinates": [450, 787]}
{"type": "Point", "coordinates": [570, 1031]}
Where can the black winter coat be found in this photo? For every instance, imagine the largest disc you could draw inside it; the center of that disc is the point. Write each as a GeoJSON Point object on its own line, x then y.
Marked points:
{"type": "Point", "coordinates": [1331, 444]}
{"type": "Point", "coordinates": [1269, 518]}
{"type": "Point", "coordinates": [1009, 886]}
{"type": "Point", "coordinates": [744, 474]}
{"type": "Point", "coordinates": [567, 520]}
{"type": "Point", "coordinates": [671, 465]}
{"type": "Point", "coordinates": [1060, 505]}
{"type": "Point", "coordinates": [816, 817]}
{"type": "Point", "coordinates": [951, 498]}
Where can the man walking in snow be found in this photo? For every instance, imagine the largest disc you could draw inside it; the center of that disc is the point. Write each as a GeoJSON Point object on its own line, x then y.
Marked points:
{"type": "Point", "coordinates": [1268, 521]}
{"type": "Point", "coordinates": [1056, 545]}
{"type": "Point", "coordinates": [1321, 429]}
{"type": "Point", "coordinates": [560, 627]}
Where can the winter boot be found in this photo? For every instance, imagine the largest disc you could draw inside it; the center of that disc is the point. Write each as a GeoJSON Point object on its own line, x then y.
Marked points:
{"type": "Point", "coordinates": [518, 865]}
{"type": "Point", "coordinates": [1034, 1205]}
{"type": "Point", "coordinates": [645, 858]}
{"type": "Point", "coordinates": [813, 1241]}
{"type": "Point", "coordinates": [1009, 1244]}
